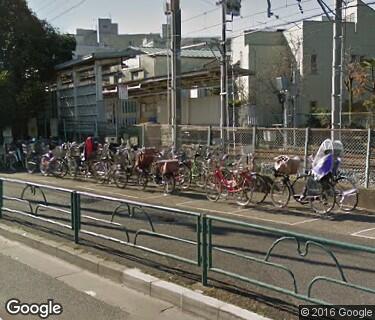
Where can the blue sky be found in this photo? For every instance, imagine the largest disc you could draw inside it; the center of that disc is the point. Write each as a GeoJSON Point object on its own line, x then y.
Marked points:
{"type": "Point", "coordinates": [143, 16]}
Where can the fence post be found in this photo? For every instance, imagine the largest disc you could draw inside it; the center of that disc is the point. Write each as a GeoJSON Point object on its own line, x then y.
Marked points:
{"type": "Point", "coordinates": [97, 128]}
{"type": "Point", "coordinates": [64, 128]}
{"type": "Point", "coordinates": [204, 250]}
{"type": "Point", "coordinates": [143, 135]}
{"type": "Point", "coordinates": [76, 214]}
{"type": "Point", "coordinates": [209, 136]}
{"type": "Point", "coordinates": [368, 157]}
{"type": "Point", "coordinates": [254, 142]}
{"type": "Point", "coordinates": [1, 197]}
{"type": "Point", "coordinates": [306, 152]}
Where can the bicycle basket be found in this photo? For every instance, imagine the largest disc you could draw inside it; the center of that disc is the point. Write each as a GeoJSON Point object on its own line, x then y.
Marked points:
{"type": "Point", "coordinates": [286, 165]}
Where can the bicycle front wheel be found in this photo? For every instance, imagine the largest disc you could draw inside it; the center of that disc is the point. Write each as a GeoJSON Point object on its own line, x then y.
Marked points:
{"type": "Point", "coordinates": [280, 192]}
{"type": "Point", "coordinates": [121, 179]}
{"type": "Point", "coordinates": [346, 194]}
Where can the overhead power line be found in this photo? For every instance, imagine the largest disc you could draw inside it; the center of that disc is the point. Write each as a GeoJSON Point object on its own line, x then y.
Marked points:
{"type": "Point", "coordinates": [68, 10]}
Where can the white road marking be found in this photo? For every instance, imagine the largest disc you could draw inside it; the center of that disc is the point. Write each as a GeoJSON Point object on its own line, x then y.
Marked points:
{"type": "Point", "coordinates": [304, 221]}
{"type": "Point", "coordinates": [45, 181]}
{"type": "Point", "coordinates": [155, 197]}
{"type": "Point", "coordinates": [121, 194]}
{"type": "Point", "coordinates": [91, 189]}
{"type": "Point", "coordinates": [236, 213]}
{"type": "Point", "coordinates": [211, 210]}
{"type": "Point", "coordinates": [108, 192]}
{"type": "Point", "coordinates": [91, 293]}
{"type": "Point", "coordinates": [185, 202]}
{"type": "Point", "coordinates": [359, 235]}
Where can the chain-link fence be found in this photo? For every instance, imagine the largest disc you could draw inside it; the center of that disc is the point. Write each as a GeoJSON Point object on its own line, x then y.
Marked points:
{"type": "Point", "coordinates": [358, 161]}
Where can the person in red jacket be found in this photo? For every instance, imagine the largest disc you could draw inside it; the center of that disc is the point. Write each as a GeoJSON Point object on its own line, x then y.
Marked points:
{"type": "Point", "coordinates": [89, 148]}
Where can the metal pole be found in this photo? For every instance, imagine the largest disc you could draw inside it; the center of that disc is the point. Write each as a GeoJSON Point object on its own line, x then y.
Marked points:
{"type": "Point", "coordinates": [1, 197]}
{"type": "Point", "coordinates": [336, 69]}
{"type": "Point", "coordinates": [76, 214]}
{"type": "Point", "coordinates": [64, 128]}
{"type": "Point", "coordinates": [169, 106]}
{"type": "Point", "coordinates": [176, 68]}
{"type": "Point", "coordinates": [254, 139]}
{"type": "Point", "coordinates": [285, 109]}
{"type": "Point", "coordinates": [116, 119]}
{"type": "Point", "coordinates": [209, 136]}
{"type": "Point", "coordinates": [306, 152]}
{"type": "Point", "coordinates": [204, 251]}
{"type": "Point", "coordinates": [233, 110]}
{"type": "Point", "coordinates": [368, 158]}
{"type": "Point", "coordinates": [223, 80]}
{"type": "Point", "coordinates": [143, 135]}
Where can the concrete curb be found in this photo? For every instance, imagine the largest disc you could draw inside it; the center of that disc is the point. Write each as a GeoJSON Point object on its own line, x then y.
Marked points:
{"type": "Point", "coordinates": [184, 298]}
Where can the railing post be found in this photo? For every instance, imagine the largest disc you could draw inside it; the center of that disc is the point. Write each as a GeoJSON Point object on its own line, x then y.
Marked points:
{"type": "Point", "coordinates": [368, 157]}
{"type": "Point", "coordinates": [76, 214]}
{"type": "Point", "coordinates": [1, 197]}
{"type": "Point", "coordinates": [254, 142]}
{"type": "Point", "coordinates": [204, 250]}
{"type": "Point", "coordinates": [306, 152]}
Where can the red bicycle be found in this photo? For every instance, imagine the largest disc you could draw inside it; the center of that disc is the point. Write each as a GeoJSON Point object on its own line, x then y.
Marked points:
{"type": "Point", "coordinates": [244, 185]}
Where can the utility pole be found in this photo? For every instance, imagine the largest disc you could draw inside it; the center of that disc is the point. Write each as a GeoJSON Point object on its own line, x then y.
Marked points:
{"type": "Point", "coordinates": [176, 68]}
{"type": "Point", "coordinates": [223, 69]}
{"type": "Point", "coordinates": [336, 103]}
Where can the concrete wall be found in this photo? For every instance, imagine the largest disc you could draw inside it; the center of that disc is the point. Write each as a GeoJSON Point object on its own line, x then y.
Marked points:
{"type": "Point", "coordinates": [264, 52]}
{"type": "Point", "coordinates": [200, 111]}
{"type": "Point", "coordinates": [317, 40]}
{"type": "Point", "coordinates": [187, 64]}
{"type": "Point", "coordinates": [267, 56]}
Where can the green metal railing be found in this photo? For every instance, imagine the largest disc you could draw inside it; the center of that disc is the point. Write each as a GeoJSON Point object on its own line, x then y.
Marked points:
{"type": "Point", "coordinates": [309, 241]}
{"type": "Point", "coordinates": [203, 244]}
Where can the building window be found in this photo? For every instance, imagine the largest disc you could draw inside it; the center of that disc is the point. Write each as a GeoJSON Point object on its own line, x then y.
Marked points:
{"type": "Point", "coordinates": [314, 64]}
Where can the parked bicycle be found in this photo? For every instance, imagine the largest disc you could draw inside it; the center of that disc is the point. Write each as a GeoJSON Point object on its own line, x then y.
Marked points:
{"type": "Point", "coordinates": [151, 167]}
{"type": "Point", "coordinates": [242, 184]}
{"type": "Point", "coordinates": [321, 187]}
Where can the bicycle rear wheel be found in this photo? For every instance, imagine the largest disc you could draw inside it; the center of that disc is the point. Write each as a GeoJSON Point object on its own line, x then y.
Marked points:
{"type": "Point", "coordinates": [325, 200]}
{"type": "Point", "coordinates": [31, 165]}
{"type": "Point", "coordinates": [299, 188]}
{"type": "Point", "coordinates": [280, 192]}
{"type": "Point", "coordinates": [101, 171]}
{"type": "Point", "coordinates": [346, 194]}
{"type": "Point", "coordinates": [184, 177]}
{"type": "Point", "coordinates": [60, 169]}
{"type": "Point", "coordinates": [169, 182]}
{"type": "Point", "coordinates": [259, 189]}
{"type": "Point", "coordinates": [213, 188]}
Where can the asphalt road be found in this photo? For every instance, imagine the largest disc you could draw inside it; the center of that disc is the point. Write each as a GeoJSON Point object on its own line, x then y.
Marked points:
{"type": "Point", "coordinates": [357, 228]}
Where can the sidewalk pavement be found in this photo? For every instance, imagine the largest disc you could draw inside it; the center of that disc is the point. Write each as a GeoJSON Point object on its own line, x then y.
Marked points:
{"type": "Point", "coordinates": [34, 277]}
